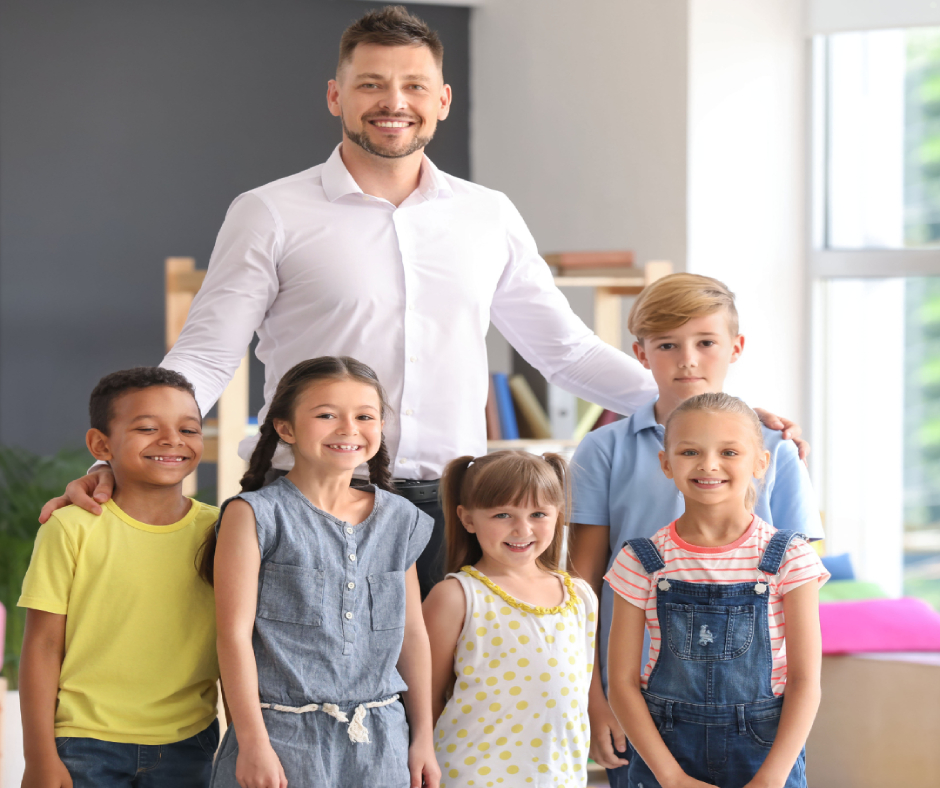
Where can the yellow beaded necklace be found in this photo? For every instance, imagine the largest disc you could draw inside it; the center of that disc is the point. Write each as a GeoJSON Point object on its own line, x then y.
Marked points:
{"type": "Point", "coordinates": [535, 610]}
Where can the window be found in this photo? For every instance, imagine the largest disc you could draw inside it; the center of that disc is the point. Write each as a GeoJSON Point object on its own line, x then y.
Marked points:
{"type": "Point", "coordinates": [876, 271]}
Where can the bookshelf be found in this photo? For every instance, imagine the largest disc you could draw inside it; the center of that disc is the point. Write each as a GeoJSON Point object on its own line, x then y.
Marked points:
{"type": "Point", "coordinates": [221, 435]}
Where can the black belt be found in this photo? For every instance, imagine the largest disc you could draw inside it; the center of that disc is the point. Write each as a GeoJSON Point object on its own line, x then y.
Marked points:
{"type": "Point", "coordinates": [417, 490]}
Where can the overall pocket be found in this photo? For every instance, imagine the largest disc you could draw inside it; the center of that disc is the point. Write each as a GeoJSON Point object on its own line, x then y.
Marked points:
{"type": "Point", "coordinates": [292, 594]}
{"type": "Point", "coordinates": [709, 632]}
{"type": "Point", "coordinates": [387, 597]}
{"type": "Point", "coordinates": [763, 732]}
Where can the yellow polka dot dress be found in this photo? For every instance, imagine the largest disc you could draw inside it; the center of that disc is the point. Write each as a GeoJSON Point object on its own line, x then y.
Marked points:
{"type": "Point", "coordinates": [518, 715]}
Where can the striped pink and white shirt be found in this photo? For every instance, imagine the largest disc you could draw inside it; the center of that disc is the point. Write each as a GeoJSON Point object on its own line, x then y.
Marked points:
{"type": "Point", "coordinates": [733, 563]}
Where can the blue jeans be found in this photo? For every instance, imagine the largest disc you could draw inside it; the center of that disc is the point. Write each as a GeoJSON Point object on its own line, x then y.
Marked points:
{"type": "Point", "coordinates": [93, 763]}
{"type": "Point", "coordinates": [620, 777]}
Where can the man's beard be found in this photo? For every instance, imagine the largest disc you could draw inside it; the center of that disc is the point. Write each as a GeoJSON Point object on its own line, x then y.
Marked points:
{"type": "Point", "coordinates": [362, 140]}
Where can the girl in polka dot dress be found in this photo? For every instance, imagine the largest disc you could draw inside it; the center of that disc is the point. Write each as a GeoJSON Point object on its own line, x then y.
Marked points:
{"type": "Point", "coordinates": [512, 635]}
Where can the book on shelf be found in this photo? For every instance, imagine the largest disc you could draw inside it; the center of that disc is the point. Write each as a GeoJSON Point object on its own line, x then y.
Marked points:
{"type": "Point", "coordinates": [587, 420]}
{"type": "Point", "coordinates": [572, 263]}
{"type": "Point", "coordinates": [493, 432]}
{"type": "Point", "coordinates": [598, 272]}
{"type": "Point", "coordinates": [508, 425]}
{"type": "Point", "coordinates": [532, 415]}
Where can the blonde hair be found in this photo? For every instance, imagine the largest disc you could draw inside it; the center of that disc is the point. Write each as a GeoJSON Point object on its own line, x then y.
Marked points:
{"type": "Point", "coordinates": [719, 402]}
{"type": "Point", "coordinates": [503, 478]}
{"type": "Point", "coordinates": [674, 300]}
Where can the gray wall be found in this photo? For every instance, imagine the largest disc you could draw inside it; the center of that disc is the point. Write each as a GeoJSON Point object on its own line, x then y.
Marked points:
{"type": "Point", "coordinates": [126, 129]}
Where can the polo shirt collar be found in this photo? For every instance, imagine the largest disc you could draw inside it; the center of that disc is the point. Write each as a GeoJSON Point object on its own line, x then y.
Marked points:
{"type": "Point", "coordinates": [645, 417]}
{"type": "Point", "coordinates": [337, 182]}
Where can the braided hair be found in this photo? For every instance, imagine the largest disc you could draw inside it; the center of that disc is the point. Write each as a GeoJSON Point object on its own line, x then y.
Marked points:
{"type": "Point", "coordinates": [289, 388]}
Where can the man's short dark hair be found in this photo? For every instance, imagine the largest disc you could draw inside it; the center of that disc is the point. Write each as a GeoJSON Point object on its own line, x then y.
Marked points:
{"type": "Point", "coordinates": [391, 26]}
{"type": "Point", "coordinates": [110, 387]}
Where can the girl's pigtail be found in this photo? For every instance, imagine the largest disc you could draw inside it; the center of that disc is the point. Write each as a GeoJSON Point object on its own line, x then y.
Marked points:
{"type": "Point", "coordinates": [253, 479]}
{"type": "Point", "coordinates": [380, 469]}
{"type": "Point", "coordinates": [261, 457]}
{"type": "Point", "coordinates": [551, 558]}
{"type": "Point", "coordinates": [462, 546]}
{"type": "Point", "coordinates": [750, 497]}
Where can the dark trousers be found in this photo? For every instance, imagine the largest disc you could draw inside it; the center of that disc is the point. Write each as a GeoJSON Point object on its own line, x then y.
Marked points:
{"type": "Point", "coordinates": [430, 564]}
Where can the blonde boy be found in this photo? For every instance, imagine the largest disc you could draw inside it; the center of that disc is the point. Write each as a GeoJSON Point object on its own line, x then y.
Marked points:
{"type": "Point", "coordinates": [686, 327]}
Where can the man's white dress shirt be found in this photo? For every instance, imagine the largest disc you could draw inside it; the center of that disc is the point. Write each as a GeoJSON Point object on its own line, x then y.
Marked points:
{"type": "Point", "coordinates": [316, 267]}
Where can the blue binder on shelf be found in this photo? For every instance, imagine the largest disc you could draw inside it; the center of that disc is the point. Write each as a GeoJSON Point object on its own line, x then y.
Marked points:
{"type": "Point", "coordinates": [507, 413]}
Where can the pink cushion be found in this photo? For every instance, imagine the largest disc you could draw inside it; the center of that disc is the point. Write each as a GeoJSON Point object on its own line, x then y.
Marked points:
{"type": "Point", "coordinates": [879, 625]}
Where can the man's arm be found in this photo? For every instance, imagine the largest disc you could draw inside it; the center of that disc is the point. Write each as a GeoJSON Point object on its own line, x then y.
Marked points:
{"type": "Point", "coordinates": [240, 286]}
{"type": "Point", "coordinates": [534, 315]}
{"type": "Point", "coordinates": [40, 666]}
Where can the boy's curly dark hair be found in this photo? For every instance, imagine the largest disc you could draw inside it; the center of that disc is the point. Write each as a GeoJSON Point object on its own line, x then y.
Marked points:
{"type": "Point", "coordinates": [110, 387]}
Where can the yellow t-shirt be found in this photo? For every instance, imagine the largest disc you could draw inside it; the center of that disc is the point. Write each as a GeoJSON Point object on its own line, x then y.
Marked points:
{"type": "Point", "coordinates": [140, 664]}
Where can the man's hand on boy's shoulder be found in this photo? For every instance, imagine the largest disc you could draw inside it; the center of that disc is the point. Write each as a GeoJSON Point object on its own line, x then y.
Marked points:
{"type": "Point", "coordinates": [93, 489]}
{"type": "Point", "coordinates": [791, 430]}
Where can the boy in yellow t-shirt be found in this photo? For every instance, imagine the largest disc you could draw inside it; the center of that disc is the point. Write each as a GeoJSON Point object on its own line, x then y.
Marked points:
{"type": "Point", "coordinates": [118, 671]}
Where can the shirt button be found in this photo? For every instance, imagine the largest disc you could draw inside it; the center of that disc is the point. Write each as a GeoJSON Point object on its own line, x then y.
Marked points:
{"type": "Point", "coordinates": [352, 556]}
{"type": "Point", "coordinates": [349, 530]}
{"type": "Point", "coordinates": [409, 412]}
{"type": "Point", "coordinates": [350, 586]}
{"type": "Point", "coordinates": [348, 616]}
{"type": "Point", "coordinates": [403, 460]}
{"type": "Point", "coordinates": [413, 359]}
{"type": "Point", "coordinates": [411, 307]}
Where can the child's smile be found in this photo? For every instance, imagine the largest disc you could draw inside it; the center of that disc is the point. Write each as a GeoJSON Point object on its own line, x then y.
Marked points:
{"type": "Point", "coordinates": [336, 423]}
{"type": "Point", "coordinates": [512, 535]}
{"type": "Point", "coordinates": [712, 457]}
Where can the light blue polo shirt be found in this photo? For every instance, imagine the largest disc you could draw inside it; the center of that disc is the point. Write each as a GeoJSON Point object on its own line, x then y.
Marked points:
{"type": "Point", "coordinates": [617, 482]}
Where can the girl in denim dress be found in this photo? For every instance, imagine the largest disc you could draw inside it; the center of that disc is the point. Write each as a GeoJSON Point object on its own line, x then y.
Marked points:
{"type": "Point", "coordinates": [322, 645]}
{"type": "Point", "coordinates": [731, 687]}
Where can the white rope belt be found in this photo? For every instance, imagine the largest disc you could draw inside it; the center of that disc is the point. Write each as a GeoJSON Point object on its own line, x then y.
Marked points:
{"type": "Point", "coordinates": [357, 731]}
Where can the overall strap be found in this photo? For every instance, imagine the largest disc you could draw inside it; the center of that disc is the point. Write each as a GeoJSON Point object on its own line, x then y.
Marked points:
{"type": "Point", "coordinates": [775, 550]}
{"type": "Point", "coordinates": [647, 554]}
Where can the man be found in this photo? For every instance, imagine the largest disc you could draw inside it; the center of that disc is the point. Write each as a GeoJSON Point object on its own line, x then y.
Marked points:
{"type": "Point", "coordinates": [378, 255]}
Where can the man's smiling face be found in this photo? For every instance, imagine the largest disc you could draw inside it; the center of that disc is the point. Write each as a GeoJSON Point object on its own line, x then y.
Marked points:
{"type": "Point", "coordinates": [389, 98]}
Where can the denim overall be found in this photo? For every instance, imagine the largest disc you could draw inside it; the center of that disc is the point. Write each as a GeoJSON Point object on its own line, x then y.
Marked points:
{"type": "Point", "coordinates": [710, 691]}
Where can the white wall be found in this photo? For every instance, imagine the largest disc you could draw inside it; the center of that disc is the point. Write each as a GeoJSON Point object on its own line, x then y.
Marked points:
{"type": "Point", "coordinates": [578, 113]}
{"type": "Point", "coordinates": [747, 122]}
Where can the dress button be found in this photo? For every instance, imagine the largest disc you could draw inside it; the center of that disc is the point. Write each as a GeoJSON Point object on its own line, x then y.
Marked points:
{"type": "Point", "coordinates": [352, 556]}
{"type": "Point", "coordinates": [350, 586]}
{"type": "Point", "coordinates": [348, 616]}
{"type": "Point", "coordinates": [413, 359]}
{"type": "Point", "coordinates": [402, 461]}
{"type": "Point", "coordinates": [409, 412]}
{"type": "Point", "coordinates": [349, 529]}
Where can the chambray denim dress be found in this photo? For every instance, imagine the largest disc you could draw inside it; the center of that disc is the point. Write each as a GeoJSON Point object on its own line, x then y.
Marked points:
{"type": "Point", "coordinates": [328, 632]}
{"type": "Point", "coordinates": [710, 692]}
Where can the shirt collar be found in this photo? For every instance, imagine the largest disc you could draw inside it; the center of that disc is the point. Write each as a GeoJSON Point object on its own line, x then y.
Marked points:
{"type": "Point", "coordinates": [645, 417]}
{"type": "Point", "coordinates": [337, 182]}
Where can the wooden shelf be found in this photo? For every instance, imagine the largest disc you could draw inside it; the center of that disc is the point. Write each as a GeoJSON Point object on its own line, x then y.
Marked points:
{"type": "Point", "coordinates": [543, 444]}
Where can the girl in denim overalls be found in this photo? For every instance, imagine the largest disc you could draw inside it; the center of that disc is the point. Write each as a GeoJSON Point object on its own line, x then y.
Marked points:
{"type": "Point", "coordinates": [322, 646]}
{"type": "Point", "coordinates": [512, 635]}
{"type": "Point", "coordinates": [732, 609]}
